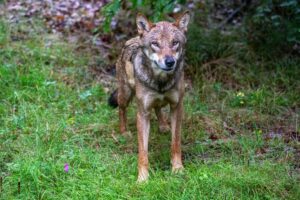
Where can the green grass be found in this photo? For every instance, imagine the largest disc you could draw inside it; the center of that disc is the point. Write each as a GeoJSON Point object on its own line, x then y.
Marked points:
{"type": "Point", "coordinates": [52, 112]}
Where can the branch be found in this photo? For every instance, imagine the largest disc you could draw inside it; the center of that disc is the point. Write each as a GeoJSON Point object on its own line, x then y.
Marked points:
{"type": "Point", "coordinates": [232, 15]}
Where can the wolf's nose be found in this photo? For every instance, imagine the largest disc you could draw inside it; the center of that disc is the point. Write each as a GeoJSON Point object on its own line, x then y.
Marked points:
{"type": "Point", "coordinates": [169, 61]}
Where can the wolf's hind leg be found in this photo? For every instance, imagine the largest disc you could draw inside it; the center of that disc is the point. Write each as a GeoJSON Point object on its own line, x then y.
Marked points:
{"type": "Point", "coordinates": [124, 96]}
{"type": "Point", "coordinates": [162, 120]}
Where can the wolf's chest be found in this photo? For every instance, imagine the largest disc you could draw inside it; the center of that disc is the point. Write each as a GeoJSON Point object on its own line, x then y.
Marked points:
{"type": "Point", "coordinates": [154, 99]}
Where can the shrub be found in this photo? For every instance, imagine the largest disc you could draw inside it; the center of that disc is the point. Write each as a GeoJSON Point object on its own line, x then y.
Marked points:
{"type": "Point", "coordinates": [157, 8]}
{"type": "Point", "coordinates": [273, 27]}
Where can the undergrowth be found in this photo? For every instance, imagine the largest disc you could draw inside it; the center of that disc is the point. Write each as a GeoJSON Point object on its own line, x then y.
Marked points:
{"type": "Point", "coordinates": [239, 133]}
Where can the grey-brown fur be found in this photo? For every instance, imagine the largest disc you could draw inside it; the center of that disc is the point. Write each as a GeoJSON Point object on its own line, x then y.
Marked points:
{"type": "Point", "coordinates": [147, 77]}
{"type": "Point", "coordinates": [151, 68]}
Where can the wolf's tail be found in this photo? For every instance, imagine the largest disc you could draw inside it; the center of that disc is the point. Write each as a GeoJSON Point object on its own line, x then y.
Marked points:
{"type": "Point", "coordinates": [113, 99]}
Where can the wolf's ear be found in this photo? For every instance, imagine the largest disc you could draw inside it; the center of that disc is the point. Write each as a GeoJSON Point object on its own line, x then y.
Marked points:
{"type": "Point", "coordinates": [183, 21]}
{"type": "Point", "coordinates": [143, 24]}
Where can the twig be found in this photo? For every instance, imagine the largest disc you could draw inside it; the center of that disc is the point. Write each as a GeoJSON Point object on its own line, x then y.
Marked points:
{"type": "Point", "coordinates": [19, 186]}
{"type": "Point", "coordinates": [296, 131]}
{"type": "Point", "coordinates": [114, 137]}
{"type": "Point", "coordinates": [1, 182]}
{"type": "Point", "coordinates": [233, 14]}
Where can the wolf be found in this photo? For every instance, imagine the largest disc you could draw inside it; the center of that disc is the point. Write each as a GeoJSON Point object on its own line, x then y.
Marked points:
{"type": "Point", "coordinates": [150, 67]}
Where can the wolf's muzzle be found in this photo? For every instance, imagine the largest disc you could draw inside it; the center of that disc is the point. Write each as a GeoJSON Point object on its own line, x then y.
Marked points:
{"type": "Point", "coordinates": [169, 61]}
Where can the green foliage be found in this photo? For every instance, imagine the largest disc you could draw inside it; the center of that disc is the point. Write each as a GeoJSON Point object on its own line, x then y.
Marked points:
{"type": "Point", "coordinates": [273, 28]}
{"type": "Point", "coordinates": [158, 9]}
{"type": "Point", "coordinates": [206, 45]}
{"type": "Point", "coordinates": [109, 12]}
{"type": "Point", "coordinates": [3, 33]}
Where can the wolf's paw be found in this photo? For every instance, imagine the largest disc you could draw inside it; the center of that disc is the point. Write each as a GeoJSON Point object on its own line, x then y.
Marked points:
{"type": "Point", "coordinates": [127, 134]}
{"type": "Point", "coordinates": [164, 128]}
{"type": "Point", "coordinates": [177, 169]}
{"type": "Point", "coordinates": [143, 176]}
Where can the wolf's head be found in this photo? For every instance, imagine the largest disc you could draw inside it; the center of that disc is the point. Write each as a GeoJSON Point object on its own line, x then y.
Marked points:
{"type": "Point", "coordinates": [163, 41]}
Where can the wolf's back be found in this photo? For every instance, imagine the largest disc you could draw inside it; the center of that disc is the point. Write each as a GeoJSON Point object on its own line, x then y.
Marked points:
{"type": "Point", "coordinates": [128, 54]}
{"type": "Point", "coordinates": [129, 50]}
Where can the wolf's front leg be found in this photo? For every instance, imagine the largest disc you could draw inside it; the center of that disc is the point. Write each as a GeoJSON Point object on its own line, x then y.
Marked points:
{"type": "Point", "coordinates": [143, 127]}
{"type": "Point", "coordinates": [176, 120]}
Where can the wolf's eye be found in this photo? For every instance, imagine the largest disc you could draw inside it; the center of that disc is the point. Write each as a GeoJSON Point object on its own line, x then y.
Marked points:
{"type": "Point", "coordinates": [175, 43]}
{"type": "Point", "coordinates": [155, 44]}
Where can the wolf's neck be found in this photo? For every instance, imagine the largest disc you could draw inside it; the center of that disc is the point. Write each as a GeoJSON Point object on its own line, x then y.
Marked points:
{"type": "Point", "coordinates": [153, 79]}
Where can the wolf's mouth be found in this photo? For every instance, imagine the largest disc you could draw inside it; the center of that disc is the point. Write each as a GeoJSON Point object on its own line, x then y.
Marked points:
{"type": "Point", "coordinates": [167, 69]}
{"type": "Point", "coordinates": [162, 68]}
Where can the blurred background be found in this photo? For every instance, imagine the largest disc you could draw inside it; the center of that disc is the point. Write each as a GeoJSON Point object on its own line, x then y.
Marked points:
{"type": "Point", "coordinates": [241, 126]}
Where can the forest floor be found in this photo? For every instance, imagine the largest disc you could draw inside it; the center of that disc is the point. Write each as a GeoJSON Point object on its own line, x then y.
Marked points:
{"type": "Point", "coordinates": [59, 139]}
